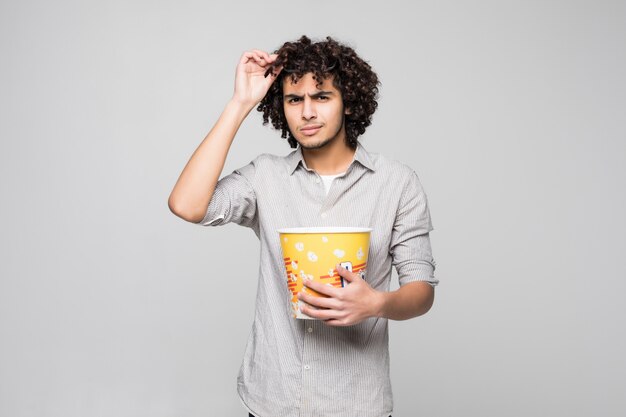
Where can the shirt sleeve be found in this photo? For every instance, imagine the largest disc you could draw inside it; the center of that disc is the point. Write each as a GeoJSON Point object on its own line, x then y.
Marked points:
{"type": "Point", "coordinates": [410, 241]}
{"type": "Point", "coordinates": [234, 200]}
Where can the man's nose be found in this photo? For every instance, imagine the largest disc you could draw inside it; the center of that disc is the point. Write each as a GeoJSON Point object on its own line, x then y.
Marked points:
{"type": "Point", "coordinates": [308, 109]}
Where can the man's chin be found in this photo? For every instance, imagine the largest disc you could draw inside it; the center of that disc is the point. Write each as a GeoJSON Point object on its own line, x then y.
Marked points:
{"type": "Point", "coordinates": [312, 145]}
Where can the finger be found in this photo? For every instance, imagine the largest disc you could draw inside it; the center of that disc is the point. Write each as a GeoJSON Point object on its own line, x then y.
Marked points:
{"type": "Point", "coordinates": [319, 314]}
{"type": "Point", "coordinates": [344, 273]}
{"type": "Point", "coordinates": [245, 57]}
{"type": "Point", "coordinates": [320, 302]}
{"type": "Point", "coordinates": [252, 56]}
{"type": "Point", "coordinates": [261, 57]}
{"type": "Point", "coordinates": [336, 323]}
{"type": "Point", "coordinates": [259, 60]}
{"type": "Point", "coordinates": [328, 290]}
{"type": "Point", "coordinates": [264, 55]}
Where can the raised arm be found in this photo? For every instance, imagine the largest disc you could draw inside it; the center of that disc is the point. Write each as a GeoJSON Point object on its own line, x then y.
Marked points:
{"type": "Point", "coordinates": [194, 189]}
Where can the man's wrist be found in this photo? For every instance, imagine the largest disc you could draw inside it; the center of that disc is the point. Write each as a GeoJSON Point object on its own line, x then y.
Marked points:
{"type": "Point", "coordinates": [241, 106]}
{"type": "Point", "coordinates": [380, 303]}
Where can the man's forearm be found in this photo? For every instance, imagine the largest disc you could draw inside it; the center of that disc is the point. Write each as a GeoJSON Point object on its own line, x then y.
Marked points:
{"type": "Point", "coordinates": [410, 300]}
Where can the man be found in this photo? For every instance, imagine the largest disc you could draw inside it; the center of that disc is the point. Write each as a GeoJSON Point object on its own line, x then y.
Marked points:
{"type": "Point", "coordinates": [321, 96]}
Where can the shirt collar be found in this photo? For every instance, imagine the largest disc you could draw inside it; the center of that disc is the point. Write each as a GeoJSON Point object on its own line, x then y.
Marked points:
{"type": "Point", "coordinates": [361, 156]}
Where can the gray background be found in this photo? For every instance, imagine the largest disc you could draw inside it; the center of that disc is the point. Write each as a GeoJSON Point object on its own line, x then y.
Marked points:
{"type": "Point", "coordinates": [512, 114]}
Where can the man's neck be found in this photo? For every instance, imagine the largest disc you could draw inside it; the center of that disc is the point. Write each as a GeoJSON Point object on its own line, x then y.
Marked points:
{"type": "Point", "coordinates": [334, 158]}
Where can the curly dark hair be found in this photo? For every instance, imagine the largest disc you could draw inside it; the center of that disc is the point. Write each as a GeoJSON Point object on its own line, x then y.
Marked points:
{"type": "Point", "coordinates": [352, 76]}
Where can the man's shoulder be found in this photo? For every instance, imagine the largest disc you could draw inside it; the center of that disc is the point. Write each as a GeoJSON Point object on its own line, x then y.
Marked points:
{"type": "Point", "coordinates": [267, 166]}
{"type": "Point", "coordinates": [390, 166]}
{"type": "Point", "coordinates": [268, 158]}
{"type": "Point", "coordinates": [271, 161]}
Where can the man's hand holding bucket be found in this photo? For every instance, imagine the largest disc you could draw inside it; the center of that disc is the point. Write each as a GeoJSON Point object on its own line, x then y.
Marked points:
{"type": "Point", "coordinates": [342, 306]}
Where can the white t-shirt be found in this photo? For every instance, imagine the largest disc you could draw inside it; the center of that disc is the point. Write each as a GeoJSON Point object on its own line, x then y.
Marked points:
{"type": "Point", "coordinates": [328, 180]}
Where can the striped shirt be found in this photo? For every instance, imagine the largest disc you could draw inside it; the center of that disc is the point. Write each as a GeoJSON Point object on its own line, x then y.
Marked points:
{"type": "Point", "coordinates": [306, 368]}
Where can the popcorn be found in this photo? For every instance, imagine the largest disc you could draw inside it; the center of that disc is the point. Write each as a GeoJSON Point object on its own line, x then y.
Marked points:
{"type": "Point", "coordinates": [294, 265]}
{"type": "Point", "coordinates": [293, 277]}
{"type": "Point", "coordinates": [285, 239]}
{"type": "Point", "coordinates": [360, 254]}
{"type": "Point", "coordinates": [324, 239]}
{"type": "Point", "coordinates": [299, 246]}
{"type": "Point", "coordinates": [339, 253]}
{"type": "Point", "coordinates": [312, 256]}
{"type": "Point", "coordinates": [331, 272]}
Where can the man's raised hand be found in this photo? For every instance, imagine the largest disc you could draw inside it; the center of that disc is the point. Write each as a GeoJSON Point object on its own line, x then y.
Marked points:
{"type": "Point", "coordinates": [251, 84]}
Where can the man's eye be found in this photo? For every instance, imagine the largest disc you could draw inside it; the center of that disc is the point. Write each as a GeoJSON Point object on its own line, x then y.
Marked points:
{"type": "Point", "coordinates": [322, 98]}
{"type": "Point", "coordinates": [293, 100]}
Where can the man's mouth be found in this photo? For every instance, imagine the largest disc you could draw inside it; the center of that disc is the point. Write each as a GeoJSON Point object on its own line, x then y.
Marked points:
{"type": "Point", "coordinates": [310, 130]}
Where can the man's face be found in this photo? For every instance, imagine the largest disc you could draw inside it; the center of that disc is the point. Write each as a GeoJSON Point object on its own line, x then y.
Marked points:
{"type": "Point", "coordinates": [314, 115]}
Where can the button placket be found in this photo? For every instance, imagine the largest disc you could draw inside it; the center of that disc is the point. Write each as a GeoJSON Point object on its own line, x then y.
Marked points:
{"type": "Point", "coordinates": [307, 377]}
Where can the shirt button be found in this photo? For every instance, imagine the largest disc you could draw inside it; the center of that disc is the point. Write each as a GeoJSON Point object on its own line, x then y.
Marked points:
{"type": "Point", "coordinates": [323, 215]}
{"type": "Point", "coordinates": [310, 330]}
{"type": "Point", "coordinates": [307, 367]}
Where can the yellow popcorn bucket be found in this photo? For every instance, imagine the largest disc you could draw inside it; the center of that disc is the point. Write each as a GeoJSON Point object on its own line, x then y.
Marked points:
{"type": "Point", "coordinates": [314, 252]}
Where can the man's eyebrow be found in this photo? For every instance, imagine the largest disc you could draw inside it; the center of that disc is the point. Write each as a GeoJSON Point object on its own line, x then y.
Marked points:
{"type": "Point", "coordinates": [321, 93]}
{"type": "Point", "coordinates": [315, 95]}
